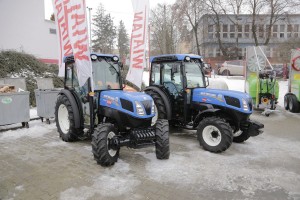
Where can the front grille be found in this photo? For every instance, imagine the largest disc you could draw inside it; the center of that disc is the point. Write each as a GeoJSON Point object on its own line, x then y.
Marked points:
{"type": "Point", "coordinates": [232, 101]}
{"type": "Point", "coordinates": [127, 105]}
{"type": "Point", "coordinates": [147, 105]}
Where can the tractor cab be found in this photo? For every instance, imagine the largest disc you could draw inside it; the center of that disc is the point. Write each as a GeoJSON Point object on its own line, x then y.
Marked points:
{"type": "Point", "coordinates": [106, 73]}
{"type": "Point", "coordinates": [179, 74]}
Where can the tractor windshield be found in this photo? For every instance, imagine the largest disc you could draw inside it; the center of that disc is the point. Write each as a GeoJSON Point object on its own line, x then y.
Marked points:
{"type": "Point", "coordinates": [194, 75]}
{"type": "Point", "coordinates": [106, 75]}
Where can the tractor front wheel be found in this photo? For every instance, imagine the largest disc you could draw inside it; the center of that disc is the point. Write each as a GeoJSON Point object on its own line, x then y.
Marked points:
{"type": "Point", "coordinates": [162, 146]}
{"type": "Point", "coordinates": [240, 136]}
{"type": "Point", "coordinates": [65, 122]}
{"type": "Point", "coordinates": [214, 134]}
{"type": "Point", "coordinates": [105, 151]}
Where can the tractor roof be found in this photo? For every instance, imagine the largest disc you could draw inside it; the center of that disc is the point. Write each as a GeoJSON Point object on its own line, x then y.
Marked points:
{"type": "Point", "coordinates": [173, 57]}
{"type": "Point", "coordinates": [70, 58]}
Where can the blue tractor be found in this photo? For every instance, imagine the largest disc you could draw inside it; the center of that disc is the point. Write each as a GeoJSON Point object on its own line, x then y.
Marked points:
{"type": "Point", "coordinates": [110, 116]}
{"type": "Point", "coordinates": [178, 86]}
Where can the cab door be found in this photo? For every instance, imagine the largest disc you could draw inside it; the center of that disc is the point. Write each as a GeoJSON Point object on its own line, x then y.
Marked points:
{"type": "Point", "coordinates": [173, 82]}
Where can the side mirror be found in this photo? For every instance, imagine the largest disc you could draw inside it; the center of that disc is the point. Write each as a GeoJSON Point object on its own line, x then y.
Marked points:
{"type": "Point", "coordinates": [206, 81]}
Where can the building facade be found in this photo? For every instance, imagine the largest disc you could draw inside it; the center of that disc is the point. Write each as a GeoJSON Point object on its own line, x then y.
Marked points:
{"type": "Point", "coordinates": [236, 34]}
{"type": "Point", "coordinates": [24, 28]}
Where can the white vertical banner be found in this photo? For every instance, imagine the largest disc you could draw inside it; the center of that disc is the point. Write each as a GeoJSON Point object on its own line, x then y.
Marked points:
{"type": "Point", "coordinates": [139, 43]}
{"type": "Point", "coordinates": [71, 23]}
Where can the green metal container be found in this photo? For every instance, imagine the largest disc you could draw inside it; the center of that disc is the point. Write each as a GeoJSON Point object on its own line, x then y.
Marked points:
{"type": "Point", "coordinates": [253, 87]}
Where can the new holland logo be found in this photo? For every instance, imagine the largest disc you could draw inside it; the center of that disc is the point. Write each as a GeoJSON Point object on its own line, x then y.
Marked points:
{"type": "Point", "coordinates": [6, 100]}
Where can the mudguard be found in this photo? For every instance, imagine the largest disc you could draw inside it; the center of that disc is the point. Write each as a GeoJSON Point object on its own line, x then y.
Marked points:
{"type": "Point", "coordinates": [75, 106]}
{"type": "Point", "coordinates": [164, 97]}
{"type": "Point", "coordinates": [205, 113]}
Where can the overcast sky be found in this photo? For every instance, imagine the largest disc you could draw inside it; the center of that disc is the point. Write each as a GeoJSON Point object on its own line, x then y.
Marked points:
{"type": "Point", "coordinates": [119, 9]}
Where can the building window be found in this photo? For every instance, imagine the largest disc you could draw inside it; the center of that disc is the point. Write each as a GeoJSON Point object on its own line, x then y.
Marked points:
{"type": "Point", "coordinates": [240, 31]}
{"type": "Point", "coordinates": [225, 31]}
{"type": "Point", "coordinates": [210, 31]}
{"type": "Point", "coordinates": [275, 30]}
{"type": "Point", "coordinates": [289, 30]}
{"type": "Point", "coordinates": [296, 30]}
{"type": "Point", "coordinates": [232, 31]}
{"type": "Point", "coordinates": [218, 52]}
{"type": "Point", "coordinates": [247, 31]}
{"type": "Point", "coordinates": [282, 28]}
{"type": "Point", "coordinates": [52, 30]}
{"type": "Point", "coordinates": [261, 31]}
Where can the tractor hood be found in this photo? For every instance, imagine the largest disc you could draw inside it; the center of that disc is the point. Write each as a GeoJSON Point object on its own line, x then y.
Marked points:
{"type": "Point", "coordinates": [227, 98]}
{"type": "Point", "coordinates": [136, 104]}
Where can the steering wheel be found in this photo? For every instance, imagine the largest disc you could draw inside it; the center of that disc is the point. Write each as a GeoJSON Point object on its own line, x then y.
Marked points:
{"type": "Point", "coordinates": [171, 87]}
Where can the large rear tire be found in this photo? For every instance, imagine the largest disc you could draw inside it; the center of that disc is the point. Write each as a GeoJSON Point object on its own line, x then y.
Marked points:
{"type": "Point", "coordinates": [162, 146]}
{"type": "Point", "coordinates": [241, 137]}
{"type": "Point", "coordinates": [293, 104]}
{"type": "Point", "coordinates": [102, 149]}
{"type": "Point", "coordinates": [159, 103]}
{"type": "Point", "coordinates": [64, 118]}
{"type": "Point", "coordinates": [214, 134]}
{"type": "Point", "coordinates": [286, 101]}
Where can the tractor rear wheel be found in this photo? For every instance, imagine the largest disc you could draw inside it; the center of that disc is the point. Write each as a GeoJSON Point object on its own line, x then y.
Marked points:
{"type": "Point", "coordinates": [286, 101]}
{"type": "Point", "coordinates": [159, 103]}
{"type": "Point", "coordinates": [240, 136]}
{"type": "Point", "coordinates": [162, 146]}
{"type": "Point", "coordinates": [214, 134]}
{"type": "Point", "coordinates": [293, 104]}
{"type": "Point", "coordinates": [65, 122]}
{"type": "Point", "coordinates": [105, 153]}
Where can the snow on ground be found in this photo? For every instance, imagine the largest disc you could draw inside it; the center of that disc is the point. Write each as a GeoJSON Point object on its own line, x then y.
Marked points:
{"type": "Point", "coordinates": [219, 172]}
{"type": "Point", "coordinates": [36, 129]}
{"type": "Point", "coordinates": [114, 182]}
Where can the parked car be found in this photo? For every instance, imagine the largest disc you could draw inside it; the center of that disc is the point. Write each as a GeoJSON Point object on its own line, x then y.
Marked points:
{"type": "Point", "coordinates": [232, 67]}
{"type": "Point", "coordinates": [281, 70]}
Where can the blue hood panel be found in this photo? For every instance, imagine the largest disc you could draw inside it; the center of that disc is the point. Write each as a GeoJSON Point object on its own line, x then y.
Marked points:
{"type": "Point", "coordinates": [111, 99]}
{"type": "Point", "coordinates": [216, 97]}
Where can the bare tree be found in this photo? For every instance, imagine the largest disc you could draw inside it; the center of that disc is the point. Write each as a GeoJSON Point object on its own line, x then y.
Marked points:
{"type": "Point", "coordinates": [235, 7]}
{"type": "Point", "coordinates": [193, 11]}
{"type": "Point", "coordinates": [284, 49]}
{"type": "Point", "coordinates": [216, 10]}
{"type": "Point", "coordinates": [164, 29]}
{"type": "Point", "coordinates": [276, 9]}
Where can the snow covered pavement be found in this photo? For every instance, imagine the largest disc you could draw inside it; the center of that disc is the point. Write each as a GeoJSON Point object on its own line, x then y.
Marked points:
{"type": "Point", "coordinates": [36, 164]}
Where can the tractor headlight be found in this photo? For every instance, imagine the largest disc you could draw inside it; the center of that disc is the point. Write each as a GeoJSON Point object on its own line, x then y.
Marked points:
{"type": "Point", "coordinates": [139, 108]}
{"type": "Point", "coordinates": [153, 108]}
{"type": "Point", "coordinates": [245, 105]}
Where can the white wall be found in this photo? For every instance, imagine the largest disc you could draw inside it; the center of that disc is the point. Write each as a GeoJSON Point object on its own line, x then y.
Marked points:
{"type": "Point", "coordinates": [23, 28]}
